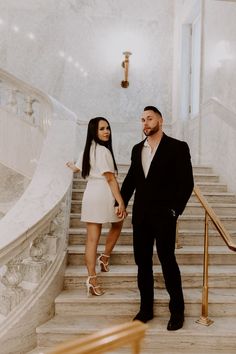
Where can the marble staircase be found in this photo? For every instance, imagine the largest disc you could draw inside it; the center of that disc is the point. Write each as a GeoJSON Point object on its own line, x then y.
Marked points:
{"type": "Point", "coordinates": [77, 315]}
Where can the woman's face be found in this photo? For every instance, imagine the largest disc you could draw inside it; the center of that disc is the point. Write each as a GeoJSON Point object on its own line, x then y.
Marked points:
{"type": "Point", "coordinates": [103, 131]}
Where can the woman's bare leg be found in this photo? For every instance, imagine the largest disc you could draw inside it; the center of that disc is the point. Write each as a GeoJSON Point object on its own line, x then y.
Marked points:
{"type": "Point", "coordinates": [112, 237]}
{"type": "Point", "coordinates": [93, 236]}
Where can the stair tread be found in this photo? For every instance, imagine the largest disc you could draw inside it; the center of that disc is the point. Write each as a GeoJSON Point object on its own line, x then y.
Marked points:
{"type": "Point", "coordinates": [40, 350]}
{"type": "Point", "coordinates": [211, 174]}
{"type": "Point", "coordinates": [203, 192]}
{"type": "Point", "coordinates": [131, 270]}
{"type": "Point", "coordinates": [82, 230]}
{"type": "Point", "coordinates": [206, 183]}
{"type": "Point", "coordinates": [196, 174]}
{"type": "Point", "coordinates": [181, 217]}
{"type": "Point", "coordinates": [131, 295]}
{"type": "Point", "coordinates": [45, 350]}
{"type": "Point", "coordinates": [190, 204]}
{"type": "Point", "coordinates": [87, 324]}
{"type": "Point", "coordinates": [129, 249]}
{"type": "Point", "coordinates": [129, 231]}
{"type": "Point", "coordinates": [200, 232]}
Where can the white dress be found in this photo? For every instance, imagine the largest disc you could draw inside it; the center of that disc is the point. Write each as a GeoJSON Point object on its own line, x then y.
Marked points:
{"type": "Point", "coordinates": [98, 200]}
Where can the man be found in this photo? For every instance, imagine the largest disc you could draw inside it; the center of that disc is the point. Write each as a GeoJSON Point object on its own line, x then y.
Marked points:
{"type": "Point", "coordinates": [161, 176]}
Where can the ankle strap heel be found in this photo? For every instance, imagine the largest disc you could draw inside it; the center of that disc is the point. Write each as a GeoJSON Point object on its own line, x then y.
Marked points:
{"type": "Point", "coordinates": [104, 266]}
{"type": "Point", "coordinates": [93, 289]}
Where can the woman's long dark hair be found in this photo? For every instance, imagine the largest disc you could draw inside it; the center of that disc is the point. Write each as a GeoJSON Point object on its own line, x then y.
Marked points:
{"type": "Point", "coordinates": [92, 134]}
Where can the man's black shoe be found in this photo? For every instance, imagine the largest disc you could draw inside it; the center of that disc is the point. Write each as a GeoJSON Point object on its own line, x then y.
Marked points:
{"type": "Point", "coordinates": [143, 316]}
{"type": "Point", "coordinates": [176, 322]}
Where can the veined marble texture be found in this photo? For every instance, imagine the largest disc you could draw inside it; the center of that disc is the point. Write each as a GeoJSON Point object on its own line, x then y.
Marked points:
{"type": "Point", "coordinates": [72, 49]}
{"type": "Point", "coordinates": [12, 186]}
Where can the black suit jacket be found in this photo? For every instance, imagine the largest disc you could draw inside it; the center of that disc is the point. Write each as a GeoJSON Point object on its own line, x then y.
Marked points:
{"type": "Point", "coordinates": [169, 182]}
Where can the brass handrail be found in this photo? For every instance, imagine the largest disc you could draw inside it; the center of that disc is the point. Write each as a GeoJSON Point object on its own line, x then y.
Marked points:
{"type": "Point", "coordinates": [210, 214]}
{"type": "Point", "coordinates": [131, 333]}
{"type": "Point", "coordinates": [216, 221]}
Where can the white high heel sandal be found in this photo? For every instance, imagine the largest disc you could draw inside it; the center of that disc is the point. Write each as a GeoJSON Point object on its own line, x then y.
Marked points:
{"type": "Point", "coordinates": [104, 266]}
{"type": "Point", "coordinates": [92, 289]}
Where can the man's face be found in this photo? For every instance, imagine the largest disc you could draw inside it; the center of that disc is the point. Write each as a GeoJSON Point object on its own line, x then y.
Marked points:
{"type": "Point", "coordinates": [151, 122]}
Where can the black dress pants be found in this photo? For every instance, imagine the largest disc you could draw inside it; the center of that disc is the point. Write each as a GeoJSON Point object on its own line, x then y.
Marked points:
{"type": "Point", "coordinates": [159, 229]}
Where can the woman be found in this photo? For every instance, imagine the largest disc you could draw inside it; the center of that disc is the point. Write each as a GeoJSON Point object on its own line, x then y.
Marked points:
{"type": "Point", "coordinates": [97, 164]}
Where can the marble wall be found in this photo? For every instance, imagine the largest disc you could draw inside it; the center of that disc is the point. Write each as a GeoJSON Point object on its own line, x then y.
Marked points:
{"type": "Point", "coordinates": [211, 134]}
{"type": "Point", "coordinates": [219, 56]}
{"type": "Point", "coordinates": [72, 49]}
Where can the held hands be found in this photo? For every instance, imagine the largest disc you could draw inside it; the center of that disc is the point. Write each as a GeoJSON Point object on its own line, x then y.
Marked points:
{"type": "Point", "coordinates": [121, 211]}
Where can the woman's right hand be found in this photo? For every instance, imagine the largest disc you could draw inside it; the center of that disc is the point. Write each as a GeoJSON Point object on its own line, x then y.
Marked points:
{"type": "Point", "coordinates": [72, 166]}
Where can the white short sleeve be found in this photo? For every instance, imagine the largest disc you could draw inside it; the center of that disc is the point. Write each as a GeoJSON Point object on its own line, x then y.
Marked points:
{"type": "Point", "coordinates": [79, 161]}
{"type": "Point", "coordinates": [104, 160]}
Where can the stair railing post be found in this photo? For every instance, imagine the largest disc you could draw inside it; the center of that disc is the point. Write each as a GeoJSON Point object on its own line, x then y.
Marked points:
{"type": "Point", "coordinates": [136, 347]}
{"type": "Point", "coordinates": [204, 320]}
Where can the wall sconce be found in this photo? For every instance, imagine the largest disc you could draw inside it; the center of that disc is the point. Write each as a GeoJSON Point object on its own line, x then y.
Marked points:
{"type": "Point", "coordinates": [125, 65]}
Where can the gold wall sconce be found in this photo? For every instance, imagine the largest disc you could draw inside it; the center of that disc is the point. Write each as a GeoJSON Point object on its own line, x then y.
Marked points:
{"type": "Point", "coordinates": [125, 65]}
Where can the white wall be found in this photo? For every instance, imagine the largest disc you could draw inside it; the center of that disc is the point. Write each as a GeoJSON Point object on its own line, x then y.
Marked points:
{"type": "Point", "coordinates": [220, 52]}
{"type": "Point", "coordinates": [211, 135]}
{"type": "Point", "coordinates": [48, 43]}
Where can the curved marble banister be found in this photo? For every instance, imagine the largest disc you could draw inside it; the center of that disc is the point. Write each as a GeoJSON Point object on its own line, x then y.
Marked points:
{"type": "Point", "coordinates": [46, 190]}
{"type": "Point", "coordinates": [33, 234]}
{"type": "Point", "coordinates": [25, 116]}
{"type": "Point", "coordinates": [48, 186]}
{"type": "Point", "coordinates": [51, 179]}
{"type": "Point", "coordinates": [22, 86]}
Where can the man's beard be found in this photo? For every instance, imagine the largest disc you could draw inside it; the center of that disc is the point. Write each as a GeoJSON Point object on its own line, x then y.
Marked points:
{"type": "Point", "coordinates": [152, 131]}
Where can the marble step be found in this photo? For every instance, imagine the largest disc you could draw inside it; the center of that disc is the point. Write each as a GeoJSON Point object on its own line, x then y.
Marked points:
{"type": "Point", "coordinates": [204, 186]}
{"type": "Point", "coordinates": [123, 254]}
{"type": "Point", "coordinates": [186, 237]}
{"type": "Point", "coordinates": [215, 197]}
{"type": "Point", "coordinates": [78, 236]}
{"type": "Point", "coordinates": [123, 276]}
{"type": "Point", "coordinates": [192, 338]}
{"type": "Point", "coordinates": [191, 208]}
{"type": "Point", "coordinates": [212, 187]}
{"type": "Point", "coordinates": [79, 182]}
{"type": "Point", "coordinates": [126, 302]}
{"type": "Point", "coordinates": [193, 222]}
{"type": "Point", "coordinates": [40, 350]}
{"type": "Point", "coordinates": [197, 169]}
{"type": "Point", "coordinates": [212, 197]}
{"type": "Point", "coordinates": [124, 350]}
{"type": "Point", "coordinates": [221, 209]}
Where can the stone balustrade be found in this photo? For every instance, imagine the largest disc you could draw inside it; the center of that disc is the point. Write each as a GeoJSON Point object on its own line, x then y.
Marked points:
{"type": "Point", "coordinates": [26, 102]}
{"type": "Point", "coordinates": [33, 233]}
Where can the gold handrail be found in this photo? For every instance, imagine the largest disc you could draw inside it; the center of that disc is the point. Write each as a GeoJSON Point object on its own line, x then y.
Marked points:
{"type": "Point", "coordinates": [106, 340]}
{"type": "Point", "coordinates": [216, 221]}
{"type": "Point", "coordinates": [210, 214]}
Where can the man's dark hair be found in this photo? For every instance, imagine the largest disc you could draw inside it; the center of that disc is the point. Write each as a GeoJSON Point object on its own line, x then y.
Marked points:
{"type": "Point", "coordinates": [154, 109]}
